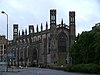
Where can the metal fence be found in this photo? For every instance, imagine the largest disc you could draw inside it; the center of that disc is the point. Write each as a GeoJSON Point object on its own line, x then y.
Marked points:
{"type": "Point", "coordinates": [3, 67]}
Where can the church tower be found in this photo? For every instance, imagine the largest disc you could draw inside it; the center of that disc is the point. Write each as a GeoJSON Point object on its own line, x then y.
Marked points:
{"type": "Point", "coordinates": [15, 31]}
{"type": "Point", "coordinates": [53, 41]}
{"type": "Point", "coordinates": [52, 21]}
{"type": "Point", "coordinates": [52, 17]}
{"type": "Point", "coordinates": [72, 32]}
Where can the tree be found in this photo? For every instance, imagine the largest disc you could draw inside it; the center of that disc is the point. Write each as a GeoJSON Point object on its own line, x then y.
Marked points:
{"type": "Point", "coordinates": [86, 48]}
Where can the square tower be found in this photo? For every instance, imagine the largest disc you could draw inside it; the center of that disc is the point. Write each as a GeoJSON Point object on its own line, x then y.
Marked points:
{"type": "Point", "coordinates": [53, 22]}
{"type": "Point", "coordinates": [52, 17]}
{"type": "Point", "coordinates": [72, 27]}
{"type": "Point", "coordinates": [15, 31]}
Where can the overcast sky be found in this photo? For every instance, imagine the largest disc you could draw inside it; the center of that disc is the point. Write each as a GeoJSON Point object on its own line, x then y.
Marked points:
{"type": "Point", "coordinates": [25, 12]}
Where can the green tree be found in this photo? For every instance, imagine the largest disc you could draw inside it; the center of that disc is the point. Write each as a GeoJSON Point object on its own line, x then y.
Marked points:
{"type": "Point", "coordinates": [86, 48]}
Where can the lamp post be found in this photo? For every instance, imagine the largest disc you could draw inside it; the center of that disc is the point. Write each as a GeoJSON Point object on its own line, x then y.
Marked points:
{"type": "Point", "coordinates": [7, 39]}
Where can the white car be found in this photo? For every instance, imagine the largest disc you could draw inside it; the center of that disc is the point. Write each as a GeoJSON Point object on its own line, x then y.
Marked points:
{"type": "Point", "coordinates": [21, 67]}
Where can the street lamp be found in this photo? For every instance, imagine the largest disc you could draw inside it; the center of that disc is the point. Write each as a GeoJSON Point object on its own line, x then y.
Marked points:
{"type": "Point", "coordinates": [7, 39]}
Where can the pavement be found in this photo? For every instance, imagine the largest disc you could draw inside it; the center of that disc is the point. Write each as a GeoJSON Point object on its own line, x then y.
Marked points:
{"type": "Point", "coordinates": [40, 71]}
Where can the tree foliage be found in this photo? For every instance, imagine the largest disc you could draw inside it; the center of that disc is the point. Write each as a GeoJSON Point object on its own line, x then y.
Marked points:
{"type": "Point", "coordinates": [86, 48]}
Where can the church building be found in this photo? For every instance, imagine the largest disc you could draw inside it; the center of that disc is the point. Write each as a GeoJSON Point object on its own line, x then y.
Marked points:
{"type": "Point", "coordinates": [45, 47]}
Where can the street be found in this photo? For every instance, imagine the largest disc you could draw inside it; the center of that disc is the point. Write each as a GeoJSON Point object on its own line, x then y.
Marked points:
{"type": "Point", "coordinates": [41, 71]}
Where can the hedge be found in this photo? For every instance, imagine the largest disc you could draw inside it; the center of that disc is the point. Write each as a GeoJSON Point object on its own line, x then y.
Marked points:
{"type": "Point", "coordinates": [84, 68]}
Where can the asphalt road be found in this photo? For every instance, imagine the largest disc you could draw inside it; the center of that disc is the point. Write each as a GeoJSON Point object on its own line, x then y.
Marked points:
{"type": "Point", "coordinates": [41, 71]}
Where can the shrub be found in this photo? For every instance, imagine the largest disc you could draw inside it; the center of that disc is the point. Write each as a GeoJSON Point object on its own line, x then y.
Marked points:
{"type": "Point", "coordinates": [84, 68]}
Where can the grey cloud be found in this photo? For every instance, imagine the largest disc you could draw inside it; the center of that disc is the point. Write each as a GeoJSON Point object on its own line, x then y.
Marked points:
{"type": "Point", "coordinates": [37, 11]}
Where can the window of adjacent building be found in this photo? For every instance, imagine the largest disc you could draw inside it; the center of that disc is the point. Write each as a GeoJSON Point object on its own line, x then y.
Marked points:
{"type": "Point", "coordinates": [4, 46]}
{"type": "Point", "coordinates": [1, 47]}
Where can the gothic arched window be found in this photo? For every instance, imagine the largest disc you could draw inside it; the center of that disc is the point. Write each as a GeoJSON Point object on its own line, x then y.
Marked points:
{"type": "Point", "coordinates": [62, 42]}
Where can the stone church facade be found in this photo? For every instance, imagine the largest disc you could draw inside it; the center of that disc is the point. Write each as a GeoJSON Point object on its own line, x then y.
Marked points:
{"type": "Point", "coordinates": [45, 47]}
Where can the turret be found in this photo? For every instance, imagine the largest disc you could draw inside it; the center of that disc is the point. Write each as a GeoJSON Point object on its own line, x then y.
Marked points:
{"type": "Point", "coordinates": [46, 25]}
{"type": "Point", "coordinates": [41, 27]}
{"type": "Point", "coordinates": [62, 22]}
{"type": "Point", "coordinates": [53, 33]}
{"type": "Point", "coordinates": [19, 33]}
{"type": "Point", "coordinates": [37, 29]}
{"type": "Point", "coordinates": [25, 31]}
{"type": "Point", "coordinates": [22, 32]}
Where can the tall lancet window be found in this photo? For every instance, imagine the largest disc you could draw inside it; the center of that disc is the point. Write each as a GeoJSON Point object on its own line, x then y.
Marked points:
{"type": "Point", "coordinates": [62, 42]}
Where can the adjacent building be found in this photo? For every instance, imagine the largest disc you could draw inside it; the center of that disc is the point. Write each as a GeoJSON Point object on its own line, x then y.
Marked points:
{"type": "Point", "coordinates": [2, 48]}
{"type": "Point", "coordinates": [44, 47]}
